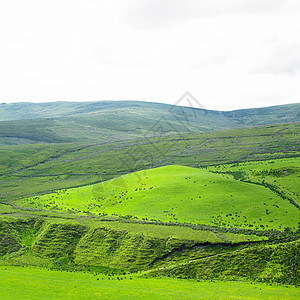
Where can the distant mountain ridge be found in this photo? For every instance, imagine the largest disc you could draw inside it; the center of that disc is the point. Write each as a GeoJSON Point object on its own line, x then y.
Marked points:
{"type": "Point", "coordinates": [30, 110]}
{"type": "Point", "coordinates": [67, 122]}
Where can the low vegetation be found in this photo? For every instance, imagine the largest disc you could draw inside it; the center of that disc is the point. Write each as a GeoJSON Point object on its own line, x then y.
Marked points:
{"type": "Point", "coordinates": [177, 194]}
{"type": "Point", "coordinates": [143, 216]}
{"type": "Point", "coordinates": [26, 283]}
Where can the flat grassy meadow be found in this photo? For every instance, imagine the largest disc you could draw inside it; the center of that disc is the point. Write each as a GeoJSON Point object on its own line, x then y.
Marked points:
{"type": "Point", "coordinates": [38, 283]}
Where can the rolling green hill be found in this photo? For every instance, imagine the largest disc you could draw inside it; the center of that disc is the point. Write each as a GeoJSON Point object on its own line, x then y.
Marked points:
{"type": "Point", "coordinates": [34, 169]}
{"type": "Point", "coordinates": [177, 194]}
{"type": "Point", "coordinates": [88, 122]}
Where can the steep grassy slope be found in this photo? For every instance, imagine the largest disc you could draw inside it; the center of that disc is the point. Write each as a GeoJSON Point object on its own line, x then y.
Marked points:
{"type": "Point", "coordinates": [32, 169]}
{"type": "Point", "coordinates": [272, 263]}
{"type": "Point", "coordinates": [73, 244]}
{"type": "Point", "coordinates": [107, 121]}
{"type": "Point", "coordinates": [70, 245]}
{"type": "Point", "coordinates": [177, 194]}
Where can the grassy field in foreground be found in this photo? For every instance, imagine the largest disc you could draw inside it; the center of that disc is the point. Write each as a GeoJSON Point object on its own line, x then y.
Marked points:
{"type": "Point", "coordinates": [36, 283]}
{"type": "Point", "coordinates": [177, 194]}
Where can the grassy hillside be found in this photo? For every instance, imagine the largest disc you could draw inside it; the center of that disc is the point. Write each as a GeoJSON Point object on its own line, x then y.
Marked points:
{"type": "Point", "coordinates": [280, 174]}
{"type": "Point", "coordinates": [33, 169]}
{"type": "Point", "coordinates": [216, 205]}
{"type": "Point", "coordinates": [266, 115]}
{"type": "Point", "coordinates": [112, 250]}
{"type": "Point", "coordinates": [29, 110]}
{"type": "Point", "coordinates": [272, 263]}
{"type": "Point", "coordinates": [177, 194]}
{"type": "Point", "coordinates": [63, 122]}
{"type": "Point", "coordinates": [74, 243]}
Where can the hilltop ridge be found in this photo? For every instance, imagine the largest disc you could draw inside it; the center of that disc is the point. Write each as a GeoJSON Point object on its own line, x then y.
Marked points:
{"type": "Point", "coordinates": [104, 121]}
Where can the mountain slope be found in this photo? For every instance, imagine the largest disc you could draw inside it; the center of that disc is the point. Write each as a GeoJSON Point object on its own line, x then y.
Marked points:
{"type": "Point", "coordinates": [28, 110]}
{"type": "Point", "coordinates": [266, 115]}
{"type": "Point", "coordinates": [65, 122]}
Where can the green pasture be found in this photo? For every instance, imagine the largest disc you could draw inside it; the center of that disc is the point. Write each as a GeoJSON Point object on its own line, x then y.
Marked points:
{"type": "Point", "coordinates": [282, 174]}
{"type": "Point", "coordinates": [38, 283]}
{"type": "Point", "coordinates": [176, 194]}
{"type": "Point", "coordinates": [27, 170]}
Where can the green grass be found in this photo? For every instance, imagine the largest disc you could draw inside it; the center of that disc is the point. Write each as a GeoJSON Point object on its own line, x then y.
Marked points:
{"type": "Point", "coordinates": [177, 232]}
{"type": "Point", "coordinates": [43, 167]}
{"type": "Point", "coordinates": [37, 283]}
{"type": "Point", "coordinates": [44, 241]}
{"type": "Point", "coordinates": [35, 169]}
{"type": "Point", "coordinates": [177, 194]}
{"type": "Point", "coordinates": [269, 263]}
{"type": "Point", "coordinates": [24, 241]}
{"type": "Point", "coordinates": [71, 245]}
{"type": "Point", "coordinates": [121, 206]}
{"type": "Point", "coordinates": [6, 209]}
{"type": "Point", "coordinates": [282, 174]}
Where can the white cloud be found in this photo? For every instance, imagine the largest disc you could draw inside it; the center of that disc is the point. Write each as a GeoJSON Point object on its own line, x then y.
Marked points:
{"type": "Point", "coordinates": [284, 59]}
{"type": "Point", "coordinates": [213, 60]}
{"type": "Point", "coordinates": [85, 51]}
{"type": "Point", "coordinates": [156, 14]}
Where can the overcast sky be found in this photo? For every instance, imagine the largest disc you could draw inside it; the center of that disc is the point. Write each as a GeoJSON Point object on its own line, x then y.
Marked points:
{"type": "Point", "coordinates": [229, 54]}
